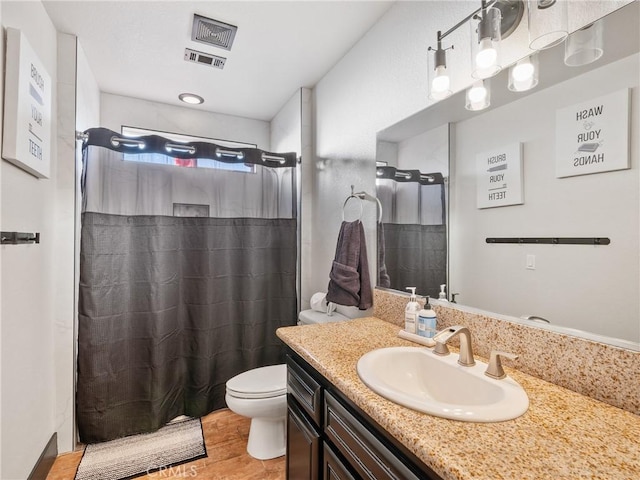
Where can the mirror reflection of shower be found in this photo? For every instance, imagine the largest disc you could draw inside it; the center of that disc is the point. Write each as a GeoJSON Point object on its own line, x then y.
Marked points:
{"type": "Point", "coordinates": [412, 235]}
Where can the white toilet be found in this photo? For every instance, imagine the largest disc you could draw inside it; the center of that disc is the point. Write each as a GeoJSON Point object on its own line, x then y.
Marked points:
{"type": "Point", "coordinates": [261, 394]}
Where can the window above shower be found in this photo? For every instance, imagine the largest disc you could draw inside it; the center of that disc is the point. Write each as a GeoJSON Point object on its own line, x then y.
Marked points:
{"type": "Point", "coordinates": [161, 159]}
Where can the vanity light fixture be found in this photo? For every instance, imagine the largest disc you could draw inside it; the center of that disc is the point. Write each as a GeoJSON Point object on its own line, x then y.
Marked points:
{"type": "Point", "coordinates": [492, 22]}
{"type": "Point", "coordinates": [548, 23]}
{"type": "Point", "coordinates": [485, 42]}
{"type": "Point", "coordinates": [523, 75]}
{"type": "Point", "coordinates": [478, 96]}
{"type": "Point", "coordinates": [584, 46]}
{"type": "Point", "coordinates": [191, 98]}
{"type": "Point", "coordinates": [439, 81]}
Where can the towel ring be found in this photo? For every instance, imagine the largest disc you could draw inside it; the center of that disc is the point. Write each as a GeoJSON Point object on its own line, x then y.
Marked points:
{"type": "Point", "coordinates": [379, 210]}
{"type": "Point", "coordinates": [347, 201]}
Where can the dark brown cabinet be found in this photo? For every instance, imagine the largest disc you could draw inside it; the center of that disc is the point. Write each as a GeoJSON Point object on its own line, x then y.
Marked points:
{"type": "Point", "coordinates": [329, 438]}
{"type": "Point", "coordinates": [333, 468]}
{"type": "Point", "coordinates": [303, 445]}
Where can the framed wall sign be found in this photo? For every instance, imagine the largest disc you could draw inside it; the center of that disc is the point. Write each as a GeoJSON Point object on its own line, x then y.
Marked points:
{"type": "Point", "coordinates": [593, 136]}
{"type": "Point", "coordinates": [499, 177]}
{"type": "Point", "coordinates": [27, 108]}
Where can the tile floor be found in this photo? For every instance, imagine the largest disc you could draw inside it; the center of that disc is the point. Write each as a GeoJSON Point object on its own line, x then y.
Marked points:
{"type": "Point", "coordinates": [225, 435]}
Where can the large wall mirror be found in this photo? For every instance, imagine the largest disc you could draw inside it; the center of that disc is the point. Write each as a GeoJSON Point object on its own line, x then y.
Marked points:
{"type": "Point", "coordinates": [586, 290]}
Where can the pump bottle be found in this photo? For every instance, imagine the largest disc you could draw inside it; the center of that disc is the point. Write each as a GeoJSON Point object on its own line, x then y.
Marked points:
{"type": "Point", "coordinates": [411, 312]}
{"type": "Point", "coordinates": [427, 321]}
{"type": "Point", "coordinates": [443, 295]}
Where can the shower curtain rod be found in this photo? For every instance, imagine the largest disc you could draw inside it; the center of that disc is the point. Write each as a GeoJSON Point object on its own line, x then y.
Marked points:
{"type": "Point", "coordinates": [104, 137]}
{"type": "Point", "coordinates": [398, 175]}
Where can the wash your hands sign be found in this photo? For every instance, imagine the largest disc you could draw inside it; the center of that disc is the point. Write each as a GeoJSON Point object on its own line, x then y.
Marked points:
{"type": "Point", "coordinates": [593, 136]}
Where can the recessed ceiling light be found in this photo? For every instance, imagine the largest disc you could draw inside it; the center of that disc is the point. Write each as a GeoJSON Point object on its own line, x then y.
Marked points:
{"type": "Point", "coordinates": [191, 98]}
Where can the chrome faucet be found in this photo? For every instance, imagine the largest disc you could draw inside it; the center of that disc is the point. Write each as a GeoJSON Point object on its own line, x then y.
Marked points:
{"type": "Point", "coordinates": [466, 352]}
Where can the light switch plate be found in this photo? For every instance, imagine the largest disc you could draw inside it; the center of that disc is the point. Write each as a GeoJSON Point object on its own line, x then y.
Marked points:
{"type": "Point", "coordinates": [531, 262]}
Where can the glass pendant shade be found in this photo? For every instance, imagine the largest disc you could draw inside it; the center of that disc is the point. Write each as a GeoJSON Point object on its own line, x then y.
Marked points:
{"type": "Point", "coordinates": [478, 96]}
{"type": "Point", "coordinates": [439, 81]}
{"type": "Point", "coordinates": [548, 20]}
{"type": "Point", "coordinates": [584, 46]}
{"type": "Point", "coordinates": [523, 75]}
{"type": "Point", "coordinates": [485, 43]}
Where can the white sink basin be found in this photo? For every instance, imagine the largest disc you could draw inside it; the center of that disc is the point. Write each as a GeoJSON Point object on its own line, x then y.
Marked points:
{"type": "Point", "coordinates": [417, 378]}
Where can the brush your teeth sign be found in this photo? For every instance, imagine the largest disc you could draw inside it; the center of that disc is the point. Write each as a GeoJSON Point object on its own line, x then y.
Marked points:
{"type": "Point", "coordinates": [499, 176]}
{"type": "Point", "coordinates": [593, 136]}
{"type": "Point", "coordinates": [27, 108]}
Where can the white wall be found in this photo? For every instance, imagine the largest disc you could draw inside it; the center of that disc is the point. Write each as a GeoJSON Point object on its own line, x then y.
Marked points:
{"type": "Point", "coordinates": [116, 111]}
{"type": "Point", "coordinates": [380, 81]}
{"type": "Point", "coordinates": [64, 231]}
{"type": "Point", "coordinates": [291, 132]}
{"type": "Point", "coordinates": [88, 93]}
{"type": "Point", "coordinates": [588, 288]}
{"type": "Point", "coordinates": [79, 101]}
{"type": "Point", "coordinates": [286, 127]}
{"type": "Point", "coordinates": [427, 152]}
{"type": "Point", "coordinates": [28, 281]}
{"type": "Point", "coordinates": [1, 251]}
{"type": "Point", "coordinates": [87, 115]}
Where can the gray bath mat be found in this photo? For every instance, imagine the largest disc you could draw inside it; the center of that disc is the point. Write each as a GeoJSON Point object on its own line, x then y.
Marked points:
{"type": "Point", "coordinates": [128, 457]}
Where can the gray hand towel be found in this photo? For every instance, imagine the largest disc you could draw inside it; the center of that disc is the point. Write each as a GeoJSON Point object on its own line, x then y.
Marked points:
{"type": "Point", "coordinates": [349, 281]}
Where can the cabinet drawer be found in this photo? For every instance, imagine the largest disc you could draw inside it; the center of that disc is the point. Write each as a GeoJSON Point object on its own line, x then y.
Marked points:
{"type": "Point", "coordinates": [366, 454]}
{"type": "Point", "coordinates": [304, 389]}
{"type": "Point", "coordinates": [333, 468]}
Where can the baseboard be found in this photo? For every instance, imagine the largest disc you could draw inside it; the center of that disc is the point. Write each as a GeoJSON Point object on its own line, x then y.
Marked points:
{"type": "Point", "coordinates": [45, 462]}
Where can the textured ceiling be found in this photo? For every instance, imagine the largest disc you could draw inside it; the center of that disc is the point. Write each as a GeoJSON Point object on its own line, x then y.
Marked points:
{"type": "Point", "coordinates": [136, 49]}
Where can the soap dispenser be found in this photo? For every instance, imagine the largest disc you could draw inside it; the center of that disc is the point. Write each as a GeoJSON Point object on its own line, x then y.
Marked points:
{"type": "Point", "coordinates": [411, 312]}
{"type": "Point", "coordinates": [443, 295]}
{"type": "Point", "coordinates": [427, 321]}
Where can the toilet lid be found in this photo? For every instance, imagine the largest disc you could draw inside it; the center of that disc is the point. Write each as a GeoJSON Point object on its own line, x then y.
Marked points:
{"type": "Point", "coordinates": [260, 382]}
{"type": "Point", "coordinates": [310, 317]}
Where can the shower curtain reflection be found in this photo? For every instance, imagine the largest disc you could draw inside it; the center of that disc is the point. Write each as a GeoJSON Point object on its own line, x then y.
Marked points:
{"type": "Point", "coordinates": [171, 307]}
{"type": "Point", "coordinates": [413, 229]}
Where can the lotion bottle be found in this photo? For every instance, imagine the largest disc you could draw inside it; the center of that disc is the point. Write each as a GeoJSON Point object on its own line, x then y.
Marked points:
{"type": "Point", "coordinates": [427, 321]}
{"type": "Point", "coordinates": [411, 312]}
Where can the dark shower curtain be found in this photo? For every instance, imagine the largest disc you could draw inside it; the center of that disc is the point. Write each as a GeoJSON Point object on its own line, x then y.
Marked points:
{"type": "Point", "coordinates": [173, 304]}
{"type": "Point", "coordinates": [414, 229]}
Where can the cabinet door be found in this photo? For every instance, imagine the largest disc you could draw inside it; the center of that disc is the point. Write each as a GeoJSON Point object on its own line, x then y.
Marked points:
{"type": "Point", "coordinates": [333, 468]}
{"type": "Point", "coordinates": [303, 445]}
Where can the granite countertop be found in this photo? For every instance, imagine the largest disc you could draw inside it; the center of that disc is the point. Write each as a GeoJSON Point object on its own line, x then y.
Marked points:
{"type": "Point", "coordinates": [563, 435]}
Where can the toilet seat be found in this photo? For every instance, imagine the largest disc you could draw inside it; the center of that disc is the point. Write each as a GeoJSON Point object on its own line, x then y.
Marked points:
{"type": "Point", "coordinates": [263, 382]}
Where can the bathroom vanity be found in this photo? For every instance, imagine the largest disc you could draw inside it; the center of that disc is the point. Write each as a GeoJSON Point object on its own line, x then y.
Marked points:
{"type": "Point", "coordinates": [329, 437]}
{"type": "Point", "coordinates": [339, 428]}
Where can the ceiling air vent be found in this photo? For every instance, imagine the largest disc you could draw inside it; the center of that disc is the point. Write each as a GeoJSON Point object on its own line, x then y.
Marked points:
{"type": "Point", "coordinates": [213, 32]}
{"type": "Point", "coordinates": [204, 58]}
